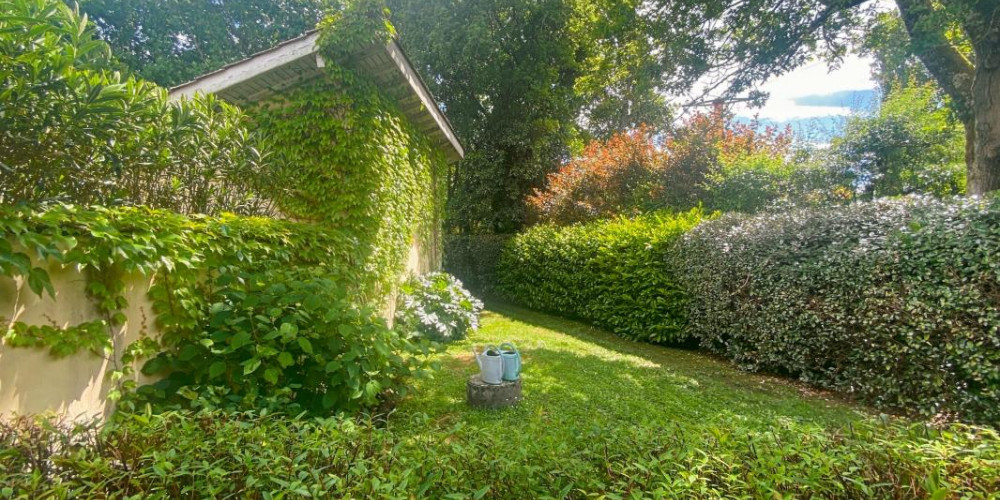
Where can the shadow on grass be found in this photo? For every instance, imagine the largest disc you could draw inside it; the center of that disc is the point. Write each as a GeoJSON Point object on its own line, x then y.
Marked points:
{"type": "Point", "coordinates": [686, 357]}
{"type": "Point", "coordinates": [578, 375]}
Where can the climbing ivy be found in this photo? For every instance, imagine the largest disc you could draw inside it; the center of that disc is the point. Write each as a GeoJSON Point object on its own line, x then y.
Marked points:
{"type": "Point", "coordinates": [211, 280]}
{"type": "Point", "coordinates": [256, 312]}
{"type": "Point", "coordinates": [352, 160]}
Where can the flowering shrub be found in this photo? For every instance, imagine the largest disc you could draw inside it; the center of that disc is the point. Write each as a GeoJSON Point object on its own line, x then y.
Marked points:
{"type": "Point", "coordinates": [436, 306]}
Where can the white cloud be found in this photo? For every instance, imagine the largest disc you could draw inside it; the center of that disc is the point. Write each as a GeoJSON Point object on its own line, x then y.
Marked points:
{"type": "Point", "coordinates": [812, 79]}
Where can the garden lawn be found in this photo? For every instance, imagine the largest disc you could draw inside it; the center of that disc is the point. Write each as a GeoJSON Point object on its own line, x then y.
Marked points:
{"type": "Point", "coordinates": [581, 379]}
{"type": "Point", "coordinates": [602, 418]}
{"type": "Point", "coordinates": [605, 415]}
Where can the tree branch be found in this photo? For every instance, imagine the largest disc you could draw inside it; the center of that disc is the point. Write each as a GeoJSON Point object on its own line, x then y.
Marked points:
{"type": "Point", "coordinates": [930, 44]}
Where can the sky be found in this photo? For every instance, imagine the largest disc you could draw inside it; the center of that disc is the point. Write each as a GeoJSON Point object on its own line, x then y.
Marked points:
{"type": "Point", "coordinates": [814, 100]}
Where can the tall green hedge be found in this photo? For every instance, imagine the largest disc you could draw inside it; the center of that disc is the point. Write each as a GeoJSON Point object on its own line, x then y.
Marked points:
{"type": "Point", "coordinates": [896, 301]}
{"type": "Point", "coordinates": [609, 273]}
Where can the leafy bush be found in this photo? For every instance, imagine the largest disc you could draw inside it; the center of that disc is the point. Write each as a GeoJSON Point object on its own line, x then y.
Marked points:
{"type": "Point", "coordinates": [285, 339]}
{"type": "Point", "coordinates": [251, 312]}
{"type": "Point", "coordinates": [710, 161]}
{"type": "Point", "coordinates": [612, 274]}
{"type": "Point", "coordinates": [473, 259]}
{"type": "Point", "coordinates": [614, 177]}
{"type": "Point", "coordinates": [437, 307]}
{"type": "Point", "coordinates": [894, 300]}
{"type": "Point", "coordinates": [912, 144]}
{"type": "Point", "coordinates": [76, 130]}
{"type": "Point", "coordinates": [754, 182]}
{"type": "Point", "coordinates": [270, 456]}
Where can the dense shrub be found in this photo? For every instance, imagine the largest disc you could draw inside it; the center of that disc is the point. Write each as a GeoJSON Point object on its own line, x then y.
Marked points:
{"type": "Point", "coordinates": [895, 301]}
{"type": "Point", "coordinates": [76, 130]}
{"type": "Point", "coordinates": [614, 177]}
{"type": "Point", "coordinates": [473, 259]}
{"type": "Point", "coordinates": [286, 339]}
{"type": "Point", "coordinates": [912, 144]}
{"type": "Point", "coordinates": [709, 161]}
{"type": "Point", "coordinates": [215, 455]}
{"type": "Point", "coordinates": [436, 307]}
{"type": "Point", "coordinates": [609, 273]}
{"type": "Point", "coordinates": [252, 312]}
{"type": "Point", "coordinates": [750, 183]}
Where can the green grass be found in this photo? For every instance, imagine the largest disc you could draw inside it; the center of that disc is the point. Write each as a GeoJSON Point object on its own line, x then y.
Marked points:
{"type": "Point", "coordinates": [579, 376]}
{"type": "Point", "coordinates": [602, 418]}
{"type": "Point", "coordinates": [602, 415]}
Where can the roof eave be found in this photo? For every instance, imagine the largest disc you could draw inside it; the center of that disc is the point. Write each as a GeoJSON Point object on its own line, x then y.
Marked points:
{"type": "Point", "coordinates": [306, 48]}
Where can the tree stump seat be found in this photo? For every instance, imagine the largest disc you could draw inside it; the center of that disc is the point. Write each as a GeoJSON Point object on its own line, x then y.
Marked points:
{"type": "Point", "coordinates": [482, 395]}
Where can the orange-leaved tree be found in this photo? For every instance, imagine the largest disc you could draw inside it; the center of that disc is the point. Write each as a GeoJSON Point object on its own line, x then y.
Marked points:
{"type": "Point", "coordinates": [633, 172]}
{"type": "Point", "coordinates": [617, 176]}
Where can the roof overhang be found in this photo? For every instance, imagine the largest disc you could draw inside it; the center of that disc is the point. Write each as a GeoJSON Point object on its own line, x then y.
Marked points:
{"type": "Point", "coordinates": [298, 60]}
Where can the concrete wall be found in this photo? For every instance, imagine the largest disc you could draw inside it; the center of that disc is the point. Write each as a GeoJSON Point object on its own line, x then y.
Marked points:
{"type": "Point", "coordinates": [31, 380]}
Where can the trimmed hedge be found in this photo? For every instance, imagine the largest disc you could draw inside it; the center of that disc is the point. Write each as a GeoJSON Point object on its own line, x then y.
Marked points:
{"type": "Point", "coordinates": [896, 301]}
{"type": "Point", "coordinates": [611, 274]}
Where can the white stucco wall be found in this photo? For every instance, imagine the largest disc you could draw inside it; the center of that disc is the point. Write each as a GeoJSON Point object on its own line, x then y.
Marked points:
{"type": "Point", "coordinates": [31, 380]}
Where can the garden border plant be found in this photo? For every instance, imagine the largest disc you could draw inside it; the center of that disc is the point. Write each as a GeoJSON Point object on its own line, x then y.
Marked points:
{"type": "Point", "coordinates": [251, 312]}
{"type": "Point", "coordinates": [230, 336]}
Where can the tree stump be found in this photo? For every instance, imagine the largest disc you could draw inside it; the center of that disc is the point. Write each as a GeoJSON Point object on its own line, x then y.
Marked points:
{"type": "Point", "coordinates": [483, 395]}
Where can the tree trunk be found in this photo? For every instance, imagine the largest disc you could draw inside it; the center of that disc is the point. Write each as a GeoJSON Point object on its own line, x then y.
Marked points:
{"type": "Point", "coordinates": [984, 171]}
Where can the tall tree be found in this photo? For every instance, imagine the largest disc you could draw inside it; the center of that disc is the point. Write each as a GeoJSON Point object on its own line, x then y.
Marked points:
{"type": "Point", "coordinates": [174, 41]}
{"type": "Point", "coordinates": [526, 82]}
{"type": "Point", "coordinates": [752, 40]}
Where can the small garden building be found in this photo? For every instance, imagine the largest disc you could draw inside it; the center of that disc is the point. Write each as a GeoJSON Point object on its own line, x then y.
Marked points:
{"type": "Point", "coordinates": [364, 150]}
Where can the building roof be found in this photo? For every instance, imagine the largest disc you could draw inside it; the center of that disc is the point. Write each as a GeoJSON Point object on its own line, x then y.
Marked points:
{"type": "Point", "coordinates": [298, 60]}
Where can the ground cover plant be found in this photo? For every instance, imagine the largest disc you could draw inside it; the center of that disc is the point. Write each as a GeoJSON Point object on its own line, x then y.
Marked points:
{"type": "Point", "coordinates": [601, 416]}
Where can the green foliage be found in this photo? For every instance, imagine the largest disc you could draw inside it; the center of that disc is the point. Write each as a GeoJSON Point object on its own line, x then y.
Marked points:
{"type": "Point", "coordinates": [172, 42]}
{"type": "Point", "coordinates": [436, 307]}
{"type": "Point", "coordinates": [670, 424]}
{"type": "Point", "coordinates": [352, 159]}
{"type": "Point", "coordinates": [612, 274]}
{"type": "Point", "coordinates": [77, 131]}
{"type": "Point", "coordinates": [252, 312]}
{"type": "Point", "coordinates": [913, 144]}
{"type": "Point", "coordinates": [893, 301]}
{"type": "Point", "coordinates": [518, 95]}
{"type": "Point", "coordinates": [288, 340]}
{"type": "Point", "coordinates": [753, 182]}
{"type": "Point", "coordinates": [61, 342]}
{"type": "Point", "coordinates": [709, 161]}
{"type": "Point", "coordinates": [473, 258]}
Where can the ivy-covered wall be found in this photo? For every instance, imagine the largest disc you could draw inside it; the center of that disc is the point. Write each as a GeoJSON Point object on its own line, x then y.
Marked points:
{"type": "Point", "coordinates": [86, 293]}
{"type": "Point", "coordinates": [353, 161]}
